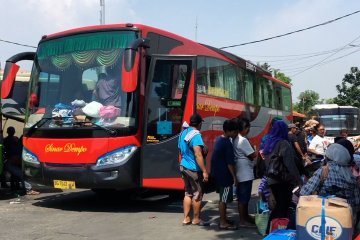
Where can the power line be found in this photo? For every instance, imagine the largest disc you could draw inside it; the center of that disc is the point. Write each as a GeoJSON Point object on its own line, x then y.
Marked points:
{"type": "Point", "coordinates": [294, 64]}
{"type": "Point", "coordinates": [329, 61]}
{"type": "Point", "coordinates": [15, 43]}
{"type": "Point", "coordinates": [295, 55]}
{"type": "Point", "coordinates": [302, 57]}
{"type": "Point", "coordinates": [289, 33]}
{"type": "Point", "coordinates": [320, 62]}
{"type": "Point", "coordinates": [296, 69]}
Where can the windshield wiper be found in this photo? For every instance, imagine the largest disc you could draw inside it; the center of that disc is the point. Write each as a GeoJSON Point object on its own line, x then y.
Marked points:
{"type": "Point", "coordinates": [112, 132]}
{"type": "Point", "coordinates": [37, 125]}
{"type": "Point", "coordinates": [42, 121]}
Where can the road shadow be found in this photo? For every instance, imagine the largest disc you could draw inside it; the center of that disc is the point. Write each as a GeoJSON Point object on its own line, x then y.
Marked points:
{"type": "Point", "coordinates": [88, 201]}
{"type": "Point", "coordinates": [210, 213]}
{"type": "Point", "coordinates": [7, 194]}
{"type": "Point", "coordinates": [151, 202]}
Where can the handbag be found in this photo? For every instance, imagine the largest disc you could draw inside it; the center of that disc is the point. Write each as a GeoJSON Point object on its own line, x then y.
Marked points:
{"type": "Point", "coordinates": [276, 168]}
{"type": "Point", "coordinates": [210, 185]}
{"type": "Point", "coordinates": [261, 218]}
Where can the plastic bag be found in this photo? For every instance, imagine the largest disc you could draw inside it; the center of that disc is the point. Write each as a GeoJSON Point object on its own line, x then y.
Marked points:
{"type": "Point", "coordinates": [92, 109]}
{"type": "Point", "coordinates": [109, 112]}
{"type": "Point", "coordinates": [261, 218]}
{"type": "Point", "coordinates": [278, 223]}
{"type": "Point", "coordinates": [262, 206]}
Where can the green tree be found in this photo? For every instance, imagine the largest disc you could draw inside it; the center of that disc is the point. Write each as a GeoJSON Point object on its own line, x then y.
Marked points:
{"type": "Point", "coordinates": [326, 101]}
{"type": "Point", "coordinates": [349, 90]}
{"type": "Point", "coordinates": [307, 100]}
{"type": "Point", "coordinates": [277, 74]}
{"type": "Point", "coordinates": [282, 77]}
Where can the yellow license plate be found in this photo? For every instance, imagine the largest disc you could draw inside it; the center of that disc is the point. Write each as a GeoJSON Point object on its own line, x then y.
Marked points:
{"type": "Point", "coordinates": [64, 184]}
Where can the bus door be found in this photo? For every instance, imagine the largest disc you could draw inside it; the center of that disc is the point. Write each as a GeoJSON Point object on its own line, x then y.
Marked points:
{"type": "Point", "coordinates": [166, 101]}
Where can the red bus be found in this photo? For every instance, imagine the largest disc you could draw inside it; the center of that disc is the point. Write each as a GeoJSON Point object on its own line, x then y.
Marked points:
{"type": "Point", "coordinates": [162, 79]}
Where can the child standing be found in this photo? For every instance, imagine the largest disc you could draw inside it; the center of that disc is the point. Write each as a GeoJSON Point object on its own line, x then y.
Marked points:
{"type": "Point", "coordinates": [223, 170]}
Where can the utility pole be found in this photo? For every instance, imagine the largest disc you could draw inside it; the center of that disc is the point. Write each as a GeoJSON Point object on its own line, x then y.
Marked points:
{"type": "Point", "coordinates": [196, 27]}
{"type": "Point", "coordinates": [303, 102]}
{"type": "Point", "coordinates": [102, 12]}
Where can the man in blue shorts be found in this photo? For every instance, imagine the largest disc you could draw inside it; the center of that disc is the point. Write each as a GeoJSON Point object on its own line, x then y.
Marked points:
{"type": "Point", "coordinates": [223, 170]}
{"type": "Point", "coordinates": [244, 157]}
{"type": "Point", "coordinates": [193, 170]}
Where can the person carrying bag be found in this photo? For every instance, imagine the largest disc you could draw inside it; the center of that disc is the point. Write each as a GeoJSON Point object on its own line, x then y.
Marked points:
{"type": "Point", "coordinates": [281, 170]}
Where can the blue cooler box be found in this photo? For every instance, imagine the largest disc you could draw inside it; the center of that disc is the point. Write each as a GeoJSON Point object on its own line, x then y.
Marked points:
{"type": "Point", "coordinates": [281, 234]}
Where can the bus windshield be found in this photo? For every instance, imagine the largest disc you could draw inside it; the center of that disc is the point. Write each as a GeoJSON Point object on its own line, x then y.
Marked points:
{"type": "Point", "coordinates": [76, 81]}
{"type": "Point", "coordinates": [336, 118]}
{"type": "Point", "coordinates": [338, 122]}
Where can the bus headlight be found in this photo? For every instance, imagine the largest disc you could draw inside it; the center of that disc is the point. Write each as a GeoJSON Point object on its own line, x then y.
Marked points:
{"type": "Point", "coordinates": [117, 156]}
{"type": "Point", "coordinates": [29, 157]}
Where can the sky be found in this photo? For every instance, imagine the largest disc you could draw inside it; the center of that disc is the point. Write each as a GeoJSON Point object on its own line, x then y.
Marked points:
{"type": "Point", "coordinates": [316, 59]}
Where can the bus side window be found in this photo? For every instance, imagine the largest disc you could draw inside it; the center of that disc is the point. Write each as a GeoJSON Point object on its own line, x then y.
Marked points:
{"type": "Point", "coordinates": [240, 84]}
{"type": "Point", "coordinates": [278, 97]}
{"type": "Point", "coordinates": [286, 98]}
{"type": "Point", "coordinates": [249, 87]}
{"type": "Point", "coordinates": [270, 90]}
{"type": "Point", "coordinates": [201, 76]}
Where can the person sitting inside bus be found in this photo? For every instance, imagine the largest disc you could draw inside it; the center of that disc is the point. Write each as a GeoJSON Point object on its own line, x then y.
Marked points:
{"type": "Point", "coordinates": [107, 90]}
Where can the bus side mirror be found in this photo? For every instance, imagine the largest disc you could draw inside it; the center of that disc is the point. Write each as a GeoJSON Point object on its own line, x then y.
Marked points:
{"type": "Point", "coordinates": [130, 70]}
{"type": "Point", "coordinates": [11, 69]}
{"type": "Point", "coordinates": [7, 83]}
{"type": "Point", "coordinates": [131, 64]}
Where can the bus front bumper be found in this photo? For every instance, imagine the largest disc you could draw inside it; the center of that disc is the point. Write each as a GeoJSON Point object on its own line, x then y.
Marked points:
{"type": "Point", "coordinates": [120, 177]}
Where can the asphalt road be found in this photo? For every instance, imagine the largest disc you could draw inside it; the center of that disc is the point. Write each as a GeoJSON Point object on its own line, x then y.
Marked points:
{"type": "Point", "coordinates": [82, 214]}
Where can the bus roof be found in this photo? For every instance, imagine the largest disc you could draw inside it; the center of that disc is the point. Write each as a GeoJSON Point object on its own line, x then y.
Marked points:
{"type": "Point", "coordinates": [329, 106]}
{"type": "Point", "coordinates": [201, 49]}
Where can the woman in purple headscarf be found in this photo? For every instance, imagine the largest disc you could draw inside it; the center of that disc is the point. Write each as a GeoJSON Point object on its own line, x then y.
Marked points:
{"type": "Point", "coordinates": [278, 144]}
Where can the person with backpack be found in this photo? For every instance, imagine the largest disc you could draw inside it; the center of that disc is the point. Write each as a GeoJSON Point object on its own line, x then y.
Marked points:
{"type": "Point", "coordinates": [336, 177]}
{"type": "Point", "coordinates": [281, 170]}
{"type": "Point", "coordinates": [193, 170]}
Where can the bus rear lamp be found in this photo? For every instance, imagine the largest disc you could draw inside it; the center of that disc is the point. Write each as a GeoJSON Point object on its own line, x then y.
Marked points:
{"type": "Point", "coordinates": [118, 156]}
{"type": "Point", "coordinates": [29, 157]}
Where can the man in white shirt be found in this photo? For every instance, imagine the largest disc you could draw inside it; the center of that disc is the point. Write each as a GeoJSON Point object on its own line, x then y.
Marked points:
{"type": "Point", "coordinates": [244, 156]}
{"type": "Point", "coordinates": [318, 144]}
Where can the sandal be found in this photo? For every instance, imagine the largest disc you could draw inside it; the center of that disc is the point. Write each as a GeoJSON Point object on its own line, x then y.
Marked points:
{"type": "Point", "coordinates": [228, 227]}
{"type": "Point", "coordinates": [201, 223]}
{"type": "Point", "coordinates": [32, 192]}
{"type": "Point", "coordinates": [186, 223]}
{"type": "Point", "coordinates": [247, 225]}
{"type": "Point", "coordinates": [230, 222]}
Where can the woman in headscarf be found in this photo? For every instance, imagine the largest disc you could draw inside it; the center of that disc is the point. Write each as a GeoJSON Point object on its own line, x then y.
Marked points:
{"type": "Point", "coordinates": [278, 144]}
{"type": "Point", "coordinates": [336, 178]}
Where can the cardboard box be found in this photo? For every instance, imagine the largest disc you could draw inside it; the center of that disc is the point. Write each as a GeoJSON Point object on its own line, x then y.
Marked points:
{"type": "Point", "coordinates": [338, 218]}
{"type": "Point", "coordinates": [281, 234]}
